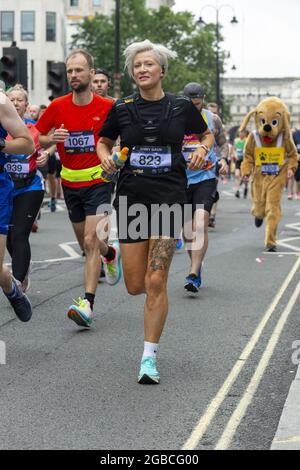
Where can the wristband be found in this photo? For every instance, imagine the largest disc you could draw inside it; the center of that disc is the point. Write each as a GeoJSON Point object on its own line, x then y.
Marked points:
{"type": "Point", "coordinates": [205, 148]}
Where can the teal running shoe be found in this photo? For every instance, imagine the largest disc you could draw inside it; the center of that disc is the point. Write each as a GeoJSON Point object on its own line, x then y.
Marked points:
{"type": "Point", "coordinates": [148, 374]}
{"type": "Point", "coordinates": [81, 313]}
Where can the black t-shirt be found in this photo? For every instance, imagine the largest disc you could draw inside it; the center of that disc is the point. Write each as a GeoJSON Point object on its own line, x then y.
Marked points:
{"type": "Point", "coordinates": [171, 118]}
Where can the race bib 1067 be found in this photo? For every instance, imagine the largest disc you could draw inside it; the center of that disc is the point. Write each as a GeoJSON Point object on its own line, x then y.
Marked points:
{"type": "Point", "coordinates": [80, 142]}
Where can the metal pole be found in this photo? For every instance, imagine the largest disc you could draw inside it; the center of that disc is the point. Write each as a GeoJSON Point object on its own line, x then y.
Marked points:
{"type": "Point", "coordinates": [218, 92]}
{"type": "Point", "coordinates": [117, 74]}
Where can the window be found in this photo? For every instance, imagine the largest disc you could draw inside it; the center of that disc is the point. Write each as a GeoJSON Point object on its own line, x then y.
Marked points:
{"type": "Point", "coordinates": [50, 26]}
{"type": "Point", "coordinates": [96, 3]}
{"type": "Point", "coordinates": [27, 26]}
{"type": "Point", "coordinates": [7, 25]}
{"type": "Point", "coordinates": [74, 3]}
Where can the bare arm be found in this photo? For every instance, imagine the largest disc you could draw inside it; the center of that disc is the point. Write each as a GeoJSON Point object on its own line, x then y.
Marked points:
{"type": "Point", "coordinates": [198, 156]}
{"type": "Point", "coordinates": [22, 142]}
{"type": "Point", "coordinates": [58, 136]}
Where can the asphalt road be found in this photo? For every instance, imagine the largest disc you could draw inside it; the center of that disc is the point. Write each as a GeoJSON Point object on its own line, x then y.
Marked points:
{"type": "Point", "coordinates": [63, 387]}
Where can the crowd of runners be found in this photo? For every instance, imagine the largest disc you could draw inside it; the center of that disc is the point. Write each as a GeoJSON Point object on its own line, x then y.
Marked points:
{"type": "Point", "coordinates": [178, 150]}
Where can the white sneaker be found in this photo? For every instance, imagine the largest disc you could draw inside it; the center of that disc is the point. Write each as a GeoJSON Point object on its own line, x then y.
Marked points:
{"type": "Point", "coordinates": [113, 269]}
{"type": "Point", "coordinates": [82, 314]}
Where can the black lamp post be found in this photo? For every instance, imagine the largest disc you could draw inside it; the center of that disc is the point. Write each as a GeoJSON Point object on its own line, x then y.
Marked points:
{"type": "Point", "coordinates": [117, 74]}
{"type": "Point", "coordinates": [217, 25]}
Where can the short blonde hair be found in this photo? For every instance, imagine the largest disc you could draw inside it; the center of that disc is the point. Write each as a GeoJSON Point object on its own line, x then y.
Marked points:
{"type": "Point", "coordinates": [161, 53]}
{"type": "Point", "coordinates": [18, 87]}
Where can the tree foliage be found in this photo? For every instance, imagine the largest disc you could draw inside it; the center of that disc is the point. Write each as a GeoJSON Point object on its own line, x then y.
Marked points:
{"type": "Point", "coordinates": [195, 45]}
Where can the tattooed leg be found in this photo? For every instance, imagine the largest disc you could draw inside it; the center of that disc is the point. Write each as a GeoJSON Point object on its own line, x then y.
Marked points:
{"type": "Point", "coordinates": [161, 252]}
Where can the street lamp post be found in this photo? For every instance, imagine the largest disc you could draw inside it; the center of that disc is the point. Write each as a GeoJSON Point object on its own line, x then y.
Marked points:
{"type": "Point", "coordinates": [217, 24]}
{"type": "Point", "coordinates": [117, 74]}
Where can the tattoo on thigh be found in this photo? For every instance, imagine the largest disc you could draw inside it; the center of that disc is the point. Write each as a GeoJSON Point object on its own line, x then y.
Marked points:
{"type": "Point", "coordinates": [161, 254]}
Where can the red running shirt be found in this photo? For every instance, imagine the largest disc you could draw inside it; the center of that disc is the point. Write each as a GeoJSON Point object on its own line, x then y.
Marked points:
{"type": "Point", "coordinates": [83, 124]}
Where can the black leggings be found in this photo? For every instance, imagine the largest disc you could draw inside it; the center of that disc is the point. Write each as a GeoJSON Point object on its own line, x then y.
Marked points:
{"type": "Point", "coordinates": [26, 207]}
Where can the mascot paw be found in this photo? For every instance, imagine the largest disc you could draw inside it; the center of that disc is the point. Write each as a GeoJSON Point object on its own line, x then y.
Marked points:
{"type": "Point", "coordinates": [258, 222]}
{"type": "Point", "coordinates": [271, 249]}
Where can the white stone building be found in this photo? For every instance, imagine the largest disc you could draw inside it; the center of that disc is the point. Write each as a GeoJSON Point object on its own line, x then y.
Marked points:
{"type": "Point", "coordinates": [245, 93]}
{"type": "Point", "coordinates": [38, 26]}
{"type": "Point", "coordinates": [44, 28]}
{"type": "Point", "coordinates": [78, 9]}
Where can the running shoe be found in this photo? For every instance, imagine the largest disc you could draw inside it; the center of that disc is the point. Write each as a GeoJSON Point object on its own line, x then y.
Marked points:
{"type": "Point", "coordinates": [52, 205]}
{"type": "Point", "coordinates": [113, 269]}
{"type": "Point", "coordinates": [148, 374]}
{"type": "Point", "coordinates": [211, 222]}
{"type": "Point", "coordinates": [193, 283]}
{"type": "Point", "coordinates": [297, 196]}
{"type": "Point", "coordinates": [290, 196]}
{"type": "Point", "coordinates": [179, 244]}
{"type": "Point", "coordinates": [237, 194]}
{"type": "Point", "coordinates": [81, 313]}
{"type": "Point", "coordinates": [20, 303]}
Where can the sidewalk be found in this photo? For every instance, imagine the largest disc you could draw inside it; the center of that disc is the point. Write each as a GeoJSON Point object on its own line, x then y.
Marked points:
{"type": "Point", "coordinates": [287, 436]}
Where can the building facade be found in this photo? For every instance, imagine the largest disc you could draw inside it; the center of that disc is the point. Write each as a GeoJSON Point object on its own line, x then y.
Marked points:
{"type": "Point", "coordinates": [45, 28]}
{"type": "Point", "coordinates": [244, 94]}
{"type": "Point", "coordinates": [78, 9]}
{"type": "Point", "coordinates": [39, 27]}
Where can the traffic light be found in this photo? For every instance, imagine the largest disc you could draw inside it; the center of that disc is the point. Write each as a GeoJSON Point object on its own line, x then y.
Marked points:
{"type": "Point", "coordinates": [14, 66]}
{"type": "Point", "coordinates": [57, 79]}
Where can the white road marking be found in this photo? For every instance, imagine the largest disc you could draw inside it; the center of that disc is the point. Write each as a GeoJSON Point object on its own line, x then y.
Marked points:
{"type": "Point", "coordinates": [218, 399]}
{"type": "Point", "coordinates": [284, 242]}
{"type": "Point", "coordinates": [287, 440]}
{"type": "Point", "coordinates": [241, 409]}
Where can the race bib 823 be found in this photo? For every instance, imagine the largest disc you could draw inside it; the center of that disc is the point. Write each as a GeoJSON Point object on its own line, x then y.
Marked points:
{"type": "Point", "coordinates": [151, 157]}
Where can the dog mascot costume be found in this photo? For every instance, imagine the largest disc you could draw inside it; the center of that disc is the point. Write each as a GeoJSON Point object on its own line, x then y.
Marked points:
{"type": "Point", "coordinates": [270, 156]}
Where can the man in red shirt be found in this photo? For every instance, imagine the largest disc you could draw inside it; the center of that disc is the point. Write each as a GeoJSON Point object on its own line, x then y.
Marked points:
{"type": "Point", "coordinates": [77, 119]}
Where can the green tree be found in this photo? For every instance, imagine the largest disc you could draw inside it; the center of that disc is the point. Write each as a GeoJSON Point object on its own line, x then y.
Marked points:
{"type": "Point", "coordinates": [194, 45]}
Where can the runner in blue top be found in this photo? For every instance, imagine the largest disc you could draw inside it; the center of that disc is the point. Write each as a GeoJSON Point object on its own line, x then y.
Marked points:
{"type": "Point", "coordinates": [21, 142]}
{"type": "Point", "coordinates": [27, 195]}
{"type": "Point", "coordinates": [202, 184]}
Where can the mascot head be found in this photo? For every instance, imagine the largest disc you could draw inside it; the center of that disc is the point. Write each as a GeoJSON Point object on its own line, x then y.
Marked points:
{"type": "Point", "coordinates": [271, 118]}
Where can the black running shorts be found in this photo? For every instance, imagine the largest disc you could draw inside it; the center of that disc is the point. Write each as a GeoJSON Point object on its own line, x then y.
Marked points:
{"type": "Point", "coordinates": [297, 173]}
{"type": "Point", "coordinates": [86, 201]}
{"type": "Point", "coordinates": [238, 164]}
{"type": "Point", "coordinates": [204, 194]}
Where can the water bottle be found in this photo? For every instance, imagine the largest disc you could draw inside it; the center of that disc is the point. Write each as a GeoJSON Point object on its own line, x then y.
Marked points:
{"type": "Point", "coordinates": [119, 159]}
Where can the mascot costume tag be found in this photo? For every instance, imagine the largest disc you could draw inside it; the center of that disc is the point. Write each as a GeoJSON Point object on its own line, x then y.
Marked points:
{"type": "Point", "coordinates": [270, 156]}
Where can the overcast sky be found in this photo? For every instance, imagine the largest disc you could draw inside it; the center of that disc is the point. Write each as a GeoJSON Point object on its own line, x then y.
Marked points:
{"type": "Point", "coordinates": [265, 43]}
